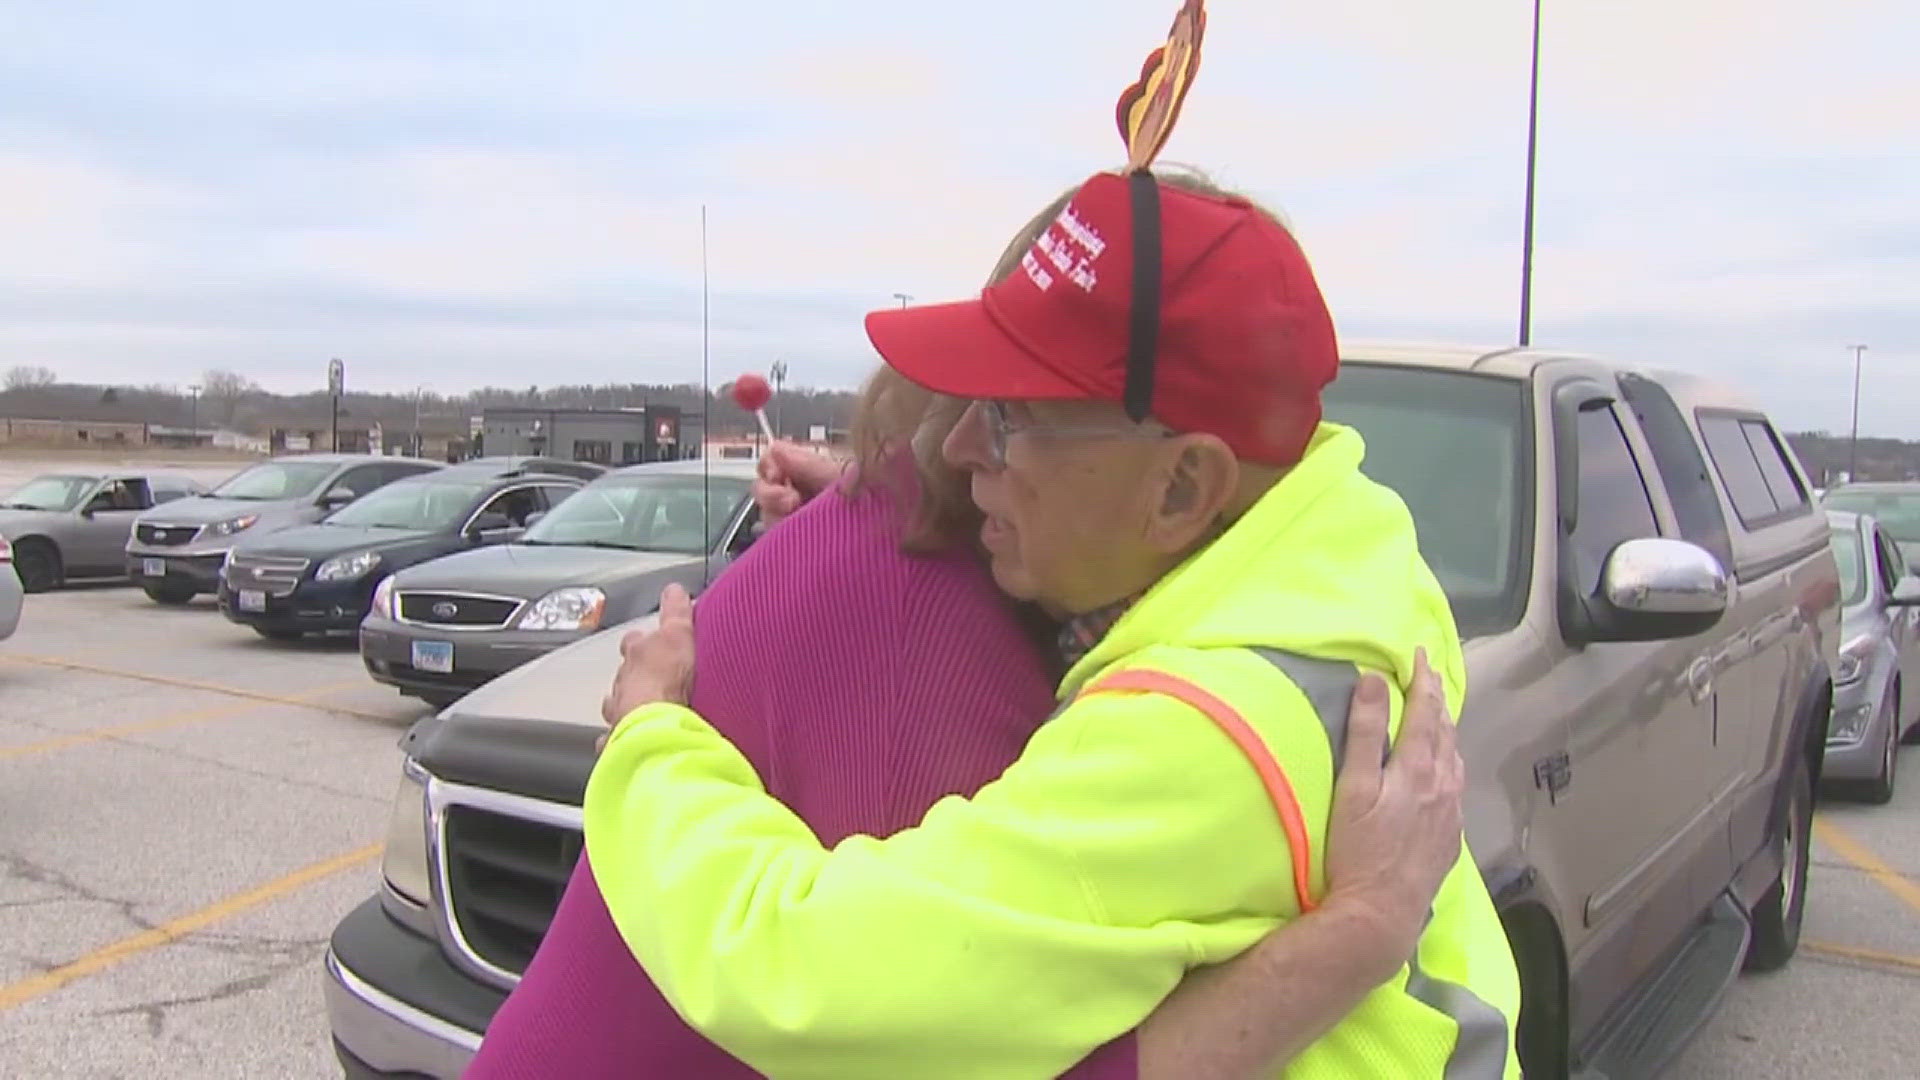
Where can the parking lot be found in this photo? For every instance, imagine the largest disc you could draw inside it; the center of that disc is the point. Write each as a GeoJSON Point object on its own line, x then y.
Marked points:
{"type": "Point", "coordinates": [186, 810]}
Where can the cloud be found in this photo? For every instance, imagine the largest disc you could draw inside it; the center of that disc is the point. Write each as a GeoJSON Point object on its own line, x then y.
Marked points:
{"type": "Point", "coordinates": [460, 192]}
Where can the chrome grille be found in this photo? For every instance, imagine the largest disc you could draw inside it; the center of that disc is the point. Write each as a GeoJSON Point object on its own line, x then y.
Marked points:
{"type": "Point", "coordinates": [464, 610]}
{"type": "Point", "coordinates": [166, 535]}
{"type": "Point", "coordinates": [504, 879]}
{"type": "Point", "coordinates": [275, 575]}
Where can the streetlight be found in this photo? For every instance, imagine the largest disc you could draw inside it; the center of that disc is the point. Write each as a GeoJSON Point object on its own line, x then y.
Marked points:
{"type": "Point", "coordinates": [1526, 243]}
{"type": "Point", "coordinates": [902, 297]}
{"type": "Point", "coordinates": [193, 424]}
{"type": "Point", "coordinates": [418, 391]}
{"type": "Point", "coordinates": [1853, 440]}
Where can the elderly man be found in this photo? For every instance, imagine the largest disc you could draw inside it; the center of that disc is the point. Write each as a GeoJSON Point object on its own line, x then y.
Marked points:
{"type": "Point", "coordinates": [1147, 446]}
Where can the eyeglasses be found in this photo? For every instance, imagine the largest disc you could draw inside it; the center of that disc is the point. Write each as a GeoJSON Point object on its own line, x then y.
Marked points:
{"type": "Point", "coordinates": [1001, 426]}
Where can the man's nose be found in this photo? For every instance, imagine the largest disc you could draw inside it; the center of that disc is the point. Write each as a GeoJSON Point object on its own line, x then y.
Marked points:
{"type": "Point", "coordinates": [966, 446]}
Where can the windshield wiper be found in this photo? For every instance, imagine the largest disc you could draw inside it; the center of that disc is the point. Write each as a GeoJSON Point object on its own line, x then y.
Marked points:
{"type": "Point", "coordinates": [605, 545]}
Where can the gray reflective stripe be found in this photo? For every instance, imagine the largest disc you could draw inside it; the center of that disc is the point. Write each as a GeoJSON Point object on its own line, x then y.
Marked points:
{"type": "Point", "coordinates": [1328, 685]}
{"type": "Point", "coordinates": [1480, 1050]}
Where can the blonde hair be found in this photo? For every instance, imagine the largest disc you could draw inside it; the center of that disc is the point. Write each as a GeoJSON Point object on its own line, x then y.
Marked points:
{"type": "Point", "coordinates": [893, 414]}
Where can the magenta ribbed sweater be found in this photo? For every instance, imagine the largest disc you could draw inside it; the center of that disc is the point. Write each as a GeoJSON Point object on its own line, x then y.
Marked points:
{"type": "Point", "coordinates": [863, 684]}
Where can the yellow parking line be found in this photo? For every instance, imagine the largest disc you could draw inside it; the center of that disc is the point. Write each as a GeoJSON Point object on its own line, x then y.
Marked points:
{"type": "Point", "coordinates": [27, 989]}
{"type": "Point", "coordinates": [1865, 956]}
{"type": "Point", "coordinates": [160, 723]}
{"type": "Point", "coordinates": [187, 684]}
{"type": "Point", "coordinates": [1864, 860]}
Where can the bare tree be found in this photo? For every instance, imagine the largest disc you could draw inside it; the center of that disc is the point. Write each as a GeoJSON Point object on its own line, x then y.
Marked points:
{"type": "Point", "coordinates": [28, 376]}
{"type": "Point", "coordinates": [225, 390]}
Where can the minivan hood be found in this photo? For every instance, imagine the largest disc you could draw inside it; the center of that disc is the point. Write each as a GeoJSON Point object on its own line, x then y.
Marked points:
{"type": "Point", "coordinates": [207, 510]}
{"type": "Point", "coordinates": [531, 571]}
{"type": "Point", "coordinates": [563, 687]}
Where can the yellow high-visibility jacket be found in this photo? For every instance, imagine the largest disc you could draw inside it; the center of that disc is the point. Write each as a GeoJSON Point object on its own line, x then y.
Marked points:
{"type": "Point", "coordinates": [1168, 816]}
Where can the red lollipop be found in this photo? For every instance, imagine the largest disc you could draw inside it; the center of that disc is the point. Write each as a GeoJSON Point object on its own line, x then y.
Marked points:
{"type": "Point", "coordinates": [752, 393]}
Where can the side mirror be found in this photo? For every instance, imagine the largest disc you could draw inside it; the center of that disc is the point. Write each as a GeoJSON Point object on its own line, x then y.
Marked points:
{"type": "Point", "coordinates": [1656, 589]}
{"type": "Point", "coordinates": [337, 498]}
{"type": "Point", "coordinates": [1906, 593]}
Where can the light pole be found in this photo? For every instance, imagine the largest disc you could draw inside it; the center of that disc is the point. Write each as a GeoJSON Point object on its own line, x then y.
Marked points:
{"type": "Point", "coordinates": [193, 413]}
{"type": "Point", "coordinates": [418, 391]}
{"type": "Point", "coordinates": [1526, 243]}
{"type": "Point", "coordinates": [1853, 440]}
{"type": "Point", "coordinates": [902, 297]}
{"type": "Point", "coordinates": [778, 372]}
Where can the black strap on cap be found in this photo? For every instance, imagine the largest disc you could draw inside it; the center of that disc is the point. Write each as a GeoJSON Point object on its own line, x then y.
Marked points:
{"type": "Point", "coordinates": [1143, 333]}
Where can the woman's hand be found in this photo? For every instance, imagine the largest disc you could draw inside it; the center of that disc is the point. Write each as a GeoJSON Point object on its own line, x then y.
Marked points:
{"type": "Point", "coordinates": [657, 664]}
{"type": "Point", "coordinates": [788, 476]}
{"type": "Point", "coordinates": [1395, 831]}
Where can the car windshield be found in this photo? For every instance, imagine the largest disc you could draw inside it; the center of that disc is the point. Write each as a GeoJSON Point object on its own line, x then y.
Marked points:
{"type": "Point", "coordinates": [645, 513]}
{"type": "Point", "coordinates": [1898, 512]}
{"type": "Point", "coordinates": [59, 493]}
{"type": "Point", "coordinates": [1454, 446]}
{"type": "Point", "coordinates": [276, 480]}
{"type": "Point", "coordinates": [420, 505]}
{"type": "Point", "coordinates": [1853, 570]}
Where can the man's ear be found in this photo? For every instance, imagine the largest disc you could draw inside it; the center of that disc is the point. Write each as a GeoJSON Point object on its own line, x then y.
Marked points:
{"type": "Point", "coordinates": [1197, 483]}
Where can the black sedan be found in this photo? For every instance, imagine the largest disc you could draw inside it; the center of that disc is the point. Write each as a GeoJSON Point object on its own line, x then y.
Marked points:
{"type": "Point", "coordinates": [320, 578]}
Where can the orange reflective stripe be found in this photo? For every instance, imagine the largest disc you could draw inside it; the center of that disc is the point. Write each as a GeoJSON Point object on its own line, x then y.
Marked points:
{"type": "Point", "coordinates": [1229, 720]}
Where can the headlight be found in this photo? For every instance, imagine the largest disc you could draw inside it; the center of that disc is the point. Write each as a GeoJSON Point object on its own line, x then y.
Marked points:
{"type": "Point", "coordinates": [347, 567]}
{"type": "Point", "coordinates": [404, 864]}
{"type": "Point", "coordinates": [1853, 660]}
{"type": "Point", "coordinates": [228, 528]}
{"type": "Point", "coordinates": [1850, 724]}
{"type": "Point", "coordinates": [383, 599]}
{"type": "Point", "coordinates": [572, 608]}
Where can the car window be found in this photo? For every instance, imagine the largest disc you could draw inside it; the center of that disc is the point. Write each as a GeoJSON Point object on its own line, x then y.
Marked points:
{"type": "Point", "coordinates": [1682, 469]}
{"type": "Point", "coordinates": [1897, 512]}
{"type": "Point", "coordinates": [1456, 448]}
{"type": "Point", "coordinates": [1755, 497]}
{"type": "Point", "coordinates": [271, 480]}
{"type": "Point", "coordinates": [121, 494]}
{"type": "Point", "coordinates": [1781, 482]}
{"type": "Point", "coordinates": [400, 470]}
{"type": "Point", "coordinates": [1853, 571]}
{"type": "Point", "coordinates": [166, 489]}
{"type": "Point", "coordinates": [645, 513]}
{"type": "Point", "coordinates": [58, 493]}
{"type": "Point", "coordinates": [515, 505]}
{"type": "Point", "coordinates": [1892, 566]}
{"type": "Point", "coordinates": [1613, 505]}
{"type": "Point", "coordinates": [421, 505]}
{"type": "Point", "coordinates": [552, 495]}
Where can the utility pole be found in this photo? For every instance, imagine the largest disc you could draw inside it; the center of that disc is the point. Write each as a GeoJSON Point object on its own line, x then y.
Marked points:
{"type": "Point", "coordinates": [1526, 243]}
{"type": "Point", "coordinates": [417, 444]}
{"type": "Point", "coordinates": [193, 424]}
{"type": "Point", "coordinates": [902, 297]}
{"type": "Point", "coordinates": [779, 374]}
{"type": "Point", "coordinates": [336, 385]}
{"type": "Point", "coordinates": [1853, 440]}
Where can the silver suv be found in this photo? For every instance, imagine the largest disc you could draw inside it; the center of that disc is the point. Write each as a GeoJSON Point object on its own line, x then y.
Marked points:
{"type": "Point", "coordinates": [1651, 616]}
{"type": "Point", "coordinates": [176, 551]}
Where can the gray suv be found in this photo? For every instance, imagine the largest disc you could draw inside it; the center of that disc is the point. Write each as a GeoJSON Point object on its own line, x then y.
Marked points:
{"type": "Point", "coordinates": [1651, 616]}
{"type": "Point", "coordinates": [176, 552]}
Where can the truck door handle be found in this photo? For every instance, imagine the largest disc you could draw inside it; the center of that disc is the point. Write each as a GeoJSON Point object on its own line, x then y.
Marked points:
{"type": "Point", "coordinates": [1700, 679]}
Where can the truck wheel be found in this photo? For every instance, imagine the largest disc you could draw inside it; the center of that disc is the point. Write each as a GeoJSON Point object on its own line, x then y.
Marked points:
{"type": "Point", "coordinates": [37, 561]}
{"type": "Point", "coordinates": [170, 595]}
{"type": "Point", "coordinates": [1777, 918]}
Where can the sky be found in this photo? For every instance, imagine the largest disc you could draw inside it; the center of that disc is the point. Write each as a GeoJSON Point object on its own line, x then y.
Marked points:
{"type": "Point", "coordinates": [455, 193]}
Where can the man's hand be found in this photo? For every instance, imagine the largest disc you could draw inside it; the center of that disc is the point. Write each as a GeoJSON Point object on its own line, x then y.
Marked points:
{"type": "Point", "coordinates": [787, 477]}
{"type": "Point", "coordinates": [655, 665]}
{"type": "Point", "coordinates": [1395, 830]}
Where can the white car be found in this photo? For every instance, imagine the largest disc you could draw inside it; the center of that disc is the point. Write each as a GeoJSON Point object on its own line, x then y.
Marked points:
{"type": "Point", "coordinates": [10, 591]}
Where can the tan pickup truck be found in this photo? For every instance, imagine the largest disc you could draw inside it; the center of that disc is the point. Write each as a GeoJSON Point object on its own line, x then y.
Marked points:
{"type": "Point", "coordinates": [1651, 611]}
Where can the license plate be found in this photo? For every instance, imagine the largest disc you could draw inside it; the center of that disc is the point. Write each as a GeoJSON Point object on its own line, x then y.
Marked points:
{"type": "Point", "coordinates": [153, 567]}
{"type": "Point", "coordinates": [434, 656]}
{"type": "Point", "coordinates": [253, 600]}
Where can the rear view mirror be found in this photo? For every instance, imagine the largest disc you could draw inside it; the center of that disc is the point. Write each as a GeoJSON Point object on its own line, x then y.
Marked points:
{"type": "Point", "coordinates": [1655, 589]}
{"type": "Point", "coordinates": [1906, 593]}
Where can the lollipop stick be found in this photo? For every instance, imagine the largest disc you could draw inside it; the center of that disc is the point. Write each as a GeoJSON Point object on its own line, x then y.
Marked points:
{"type": "Point", "coordinates": [765, 428]}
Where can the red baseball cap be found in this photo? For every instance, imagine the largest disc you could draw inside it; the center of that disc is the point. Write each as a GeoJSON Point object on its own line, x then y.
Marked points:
{"type": "Point", "coordinates": [1242, 348]}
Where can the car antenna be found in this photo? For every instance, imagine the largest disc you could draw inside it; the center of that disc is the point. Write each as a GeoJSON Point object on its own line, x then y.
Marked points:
{"type": "Point", "coordinates": [706, 409]}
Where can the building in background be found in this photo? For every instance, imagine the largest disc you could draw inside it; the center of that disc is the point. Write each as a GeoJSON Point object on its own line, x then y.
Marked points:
{"type": "Point", "coordinates": [29, 431]}
{"type": "Point", "coordinates": [611, 437]}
